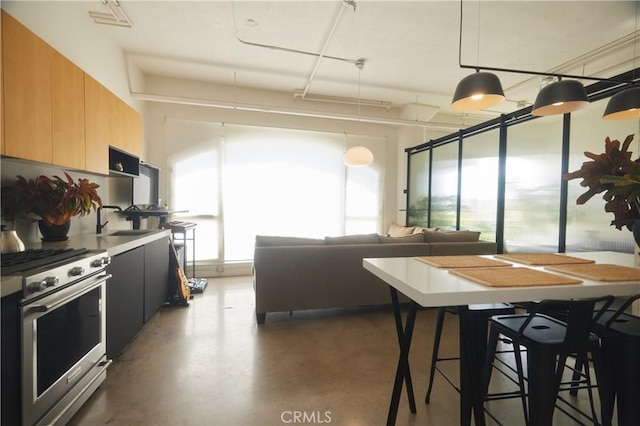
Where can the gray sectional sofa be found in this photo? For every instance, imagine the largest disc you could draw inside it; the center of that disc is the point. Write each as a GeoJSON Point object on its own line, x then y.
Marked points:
{"type": "Point", "coordinates": [300, 273]}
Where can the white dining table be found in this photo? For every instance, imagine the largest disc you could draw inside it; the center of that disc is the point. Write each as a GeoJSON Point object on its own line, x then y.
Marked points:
{"type": "Point", "coordinates": [431, 286]}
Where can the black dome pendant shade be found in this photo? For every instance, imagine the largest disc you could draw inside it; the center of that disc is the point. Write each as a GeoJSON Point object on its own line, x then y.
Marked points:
{"type": "Point", "coordinates": [622, 105]}
{"type": "Point", "coordinates": [478, 91]}
{"type": "Point", "coordinates": [560, 97]}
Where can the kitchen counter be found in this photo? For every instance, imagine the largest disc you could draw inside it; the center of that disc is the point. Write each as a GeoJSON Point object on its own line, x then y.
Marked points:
{"type": "Point", "coordinates": [114, 242]}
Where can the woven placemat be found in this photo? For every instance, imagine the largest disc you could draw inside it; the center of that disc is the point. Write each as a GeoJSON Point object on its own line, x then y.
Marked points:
{"type": "Point", "coordinates": [542, 258]}
{"type": "Point", "coordinates": [461, 261]}
{"type": "Point", "coordinates": [599, 272]}
{"type": "Point", "coordinates": [513, 277]}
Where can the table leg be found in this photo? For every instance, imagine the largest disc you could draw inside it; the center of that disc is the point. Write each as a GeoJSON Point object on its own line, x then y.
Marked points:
{"type": "Point", "coordinates": [473, 342]}
{"type": "Point", "coordinates": [405, 335]}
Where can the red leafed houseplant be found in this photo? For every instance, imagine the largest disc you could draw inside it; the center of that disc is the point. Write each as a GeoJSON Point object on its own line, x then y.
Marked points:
{"type": "Point", "coordinates": [618, 176]}
{"type": "Point", "coordinates": [52, 200]}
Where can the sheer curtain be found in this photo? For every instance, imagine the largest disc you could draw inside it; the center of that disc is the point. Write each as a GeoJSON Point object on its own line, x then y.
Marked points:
{"type": "Point", "coordinates": [250, 180]}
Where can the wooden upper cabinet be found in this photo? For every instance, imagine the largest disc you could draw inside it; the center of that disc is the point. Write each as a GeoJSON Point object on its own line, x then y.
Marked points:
{"type": "Point", "coordinates": [127, 128]}
{"type": "Point", "coordinates": [53, 112]}
{"type": "Point", "coordinates": [2, 151]}
{"type": "Point", "coordinates": [27, 92]}
{"type": "Point", "coordinates": [97, 123]}
{"type": "Point", "coordinates": [68, 113]}
{"type": "Point", "coordinates": [132, 131]}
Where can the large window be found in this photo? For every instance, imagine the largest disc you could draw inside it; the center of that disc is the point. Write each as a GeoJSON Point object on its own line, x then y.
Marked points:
{"type": "Point", "coordinates": [248, 180]}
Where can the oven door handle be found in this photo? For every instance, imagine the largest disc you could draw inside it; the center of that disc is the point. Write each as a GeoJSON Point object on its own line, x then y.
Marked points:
{"type": "Point", "coordinates": [69, 297]}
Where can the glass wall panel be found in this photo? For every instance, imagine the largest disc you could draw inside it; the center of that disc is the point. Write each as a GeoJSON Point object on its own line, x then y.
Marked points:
{"type": "Point", "coordinates": [532, 185]}
{"type": "Point", "coordinates": [418, 196]}
{"type": "Point", "coordinates": [444, 187]}
{"type": "Point", "coordinates": [479, 184]}
{"type": "Point", "coordinates": [588, 225]}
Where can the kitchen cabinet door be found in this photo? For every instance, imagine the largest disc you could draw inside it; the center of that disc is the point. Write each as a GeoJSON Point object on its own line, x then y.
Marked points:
{"type": "Point", "coordinates": [2, 150]}
{"type": "Point", "coordinates": [97, 125]}
{"type": "Point", "coordinates": [133, 125]}
{"type": "Point", "coordinates": [125, 299]}
{"type": "Point", "coordinates": [26, 62]}
{"type": "Point", "coordinates": [156, 276]}
{"type": "Point", "coordinates": [127, 132]}
{"type": "Point", "coordinates": [68, 113]}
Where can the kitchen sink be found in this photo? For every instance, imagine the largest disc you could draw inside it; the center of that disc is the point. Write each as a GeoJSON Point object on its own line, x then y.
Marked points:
{"type": "Point", "coordinates": [131, 232]}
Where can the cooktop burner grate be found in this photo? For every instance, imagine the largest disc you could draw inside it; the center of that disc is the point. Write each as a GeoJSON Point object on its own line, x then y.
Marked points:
{"type": "Point", "coordinates": [35, 258]}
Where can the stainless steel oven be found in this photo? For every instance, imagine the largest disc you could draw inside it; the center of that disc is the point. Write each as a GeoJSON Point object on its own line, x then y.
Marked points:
{"type": "Point", "coordinates": [63, 337]}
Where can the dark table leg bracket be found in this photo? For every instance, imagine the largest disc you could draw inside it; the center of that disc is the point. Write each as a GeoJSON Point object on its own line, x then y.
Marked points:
{"type": "Point", "coordinates": [403, 373]}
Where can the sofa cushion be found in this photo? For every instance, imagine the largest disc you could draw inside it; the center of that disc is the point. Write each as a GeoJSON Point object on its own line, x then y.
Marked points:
{"type": "Point", "coordinates": [396, 230]}
{"type": "Point", "coordinates": [266, 240]}
{"type": "Point", "coordinates": [352, 239]}
{"type": "Point", "coordinates": [415, 238]}
{"type": "Point", "coordinates": [420, 229]}
{"type": "Point", "coordinates": [450, 236]}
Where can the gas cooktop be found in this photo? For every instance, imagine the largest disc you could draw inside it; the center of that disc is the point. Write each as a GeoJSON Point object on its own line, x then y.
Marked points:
{"type": "Point", "coordinates": [13, 263]}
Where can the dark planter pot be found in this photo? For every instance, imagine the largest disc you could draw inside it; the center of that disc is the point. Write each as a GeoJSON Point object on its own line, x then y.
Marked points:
{"type": "Point", "coordinates": [54, 232]}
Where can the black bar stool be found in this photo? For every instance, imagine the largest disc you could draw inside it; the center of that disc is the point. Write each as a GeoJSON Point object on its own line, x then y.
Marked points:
{"type": "Point", "coordinates": [549, 341]}
{"type": "Point", "coordinates": [479, 312]}
{"type": "Point", "coordinates": [619, 376]}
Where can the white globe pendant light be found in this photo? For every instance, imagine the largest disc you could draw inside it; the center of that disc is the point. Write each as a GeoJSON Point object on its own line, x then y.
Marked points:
{"type": "Point", "coordinates": [358, 156]}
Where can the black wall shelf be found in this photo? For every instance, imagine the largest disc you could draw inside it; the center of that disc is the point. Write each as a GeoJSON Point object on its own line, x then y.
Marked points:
{"type": "Point", "coordinates": [122, 163]}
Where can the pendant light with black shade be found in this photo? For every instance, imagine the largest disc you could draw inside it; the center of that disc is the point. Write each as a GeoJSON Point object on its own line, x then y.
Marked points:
{"type": "Point", "coordinates": [560, 97]}
{"type": "Point", "coordinates": [623, 105]}
{"type": "Point", "coordinates": [476, 91]}
{"type": "Point", "coordinates": [626, 104]}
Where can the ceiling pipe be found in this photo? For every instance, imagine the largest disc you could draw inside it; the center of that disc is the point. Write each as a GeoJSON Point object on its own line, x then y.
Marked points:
{"type": "Point", "coordinates": [342, 100]}
{"type": "Point", "coordinates": [284, 49]}
{"type": "Point", "coordinates": [582, 59]}
{"type": "Point", "coordinates": [359, 63]}
{"type": "Point", "coordinates": [149, 97]}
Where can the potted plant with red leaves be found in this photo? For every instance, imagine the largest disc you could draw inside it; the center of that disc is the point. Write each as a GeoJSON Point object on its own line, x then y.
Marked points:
{"type": "Point", "coordinates": [618, 176]}
{"type": "Point", "coordinates": [52, 201]}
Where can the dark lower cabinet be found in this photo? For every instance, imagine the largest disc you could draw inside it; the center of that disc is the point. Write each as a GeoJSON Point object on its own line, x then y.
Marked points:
{"type": "Point", "coordinates": [125, 299]}
{"type": "Point", "coordinates": [156, 276]}
{"type": "Point", "coordinates": [137, 289]}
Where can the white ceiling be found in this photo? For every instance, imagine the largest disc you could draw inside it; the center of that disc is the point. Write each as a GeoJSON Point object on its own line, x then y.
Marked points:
{"type": "Point", "coordinates": [410, 48]}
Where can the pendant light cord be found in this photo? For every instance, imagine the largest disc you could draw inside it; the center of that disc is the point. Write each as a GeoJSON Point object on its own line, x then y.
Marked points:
{"type": "Point", "coordinates": [460, 38]}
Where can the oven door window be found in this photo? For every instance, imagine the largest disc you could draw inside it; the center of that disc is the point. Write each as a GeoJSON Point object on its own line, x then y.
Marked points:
{"type": "Point", "coordinates": [64, 336]}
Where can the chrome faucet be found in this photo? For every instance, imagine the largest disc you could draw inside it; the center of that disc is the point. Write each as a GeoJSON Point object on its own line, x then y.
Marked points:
{"type": "Point", "coordinates": [99, 225]}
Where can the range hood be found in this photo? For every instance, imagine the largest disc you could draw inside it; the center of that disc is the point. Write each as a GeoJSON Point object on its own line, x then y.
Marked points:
{"type": "Point", "coordinates": [122, 163]}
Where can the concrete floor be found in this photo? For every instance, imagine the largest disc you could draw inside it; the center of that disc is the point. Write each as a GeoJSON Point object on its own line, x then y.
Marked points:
{"type": "Point", "coordinates": [211, 364]}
